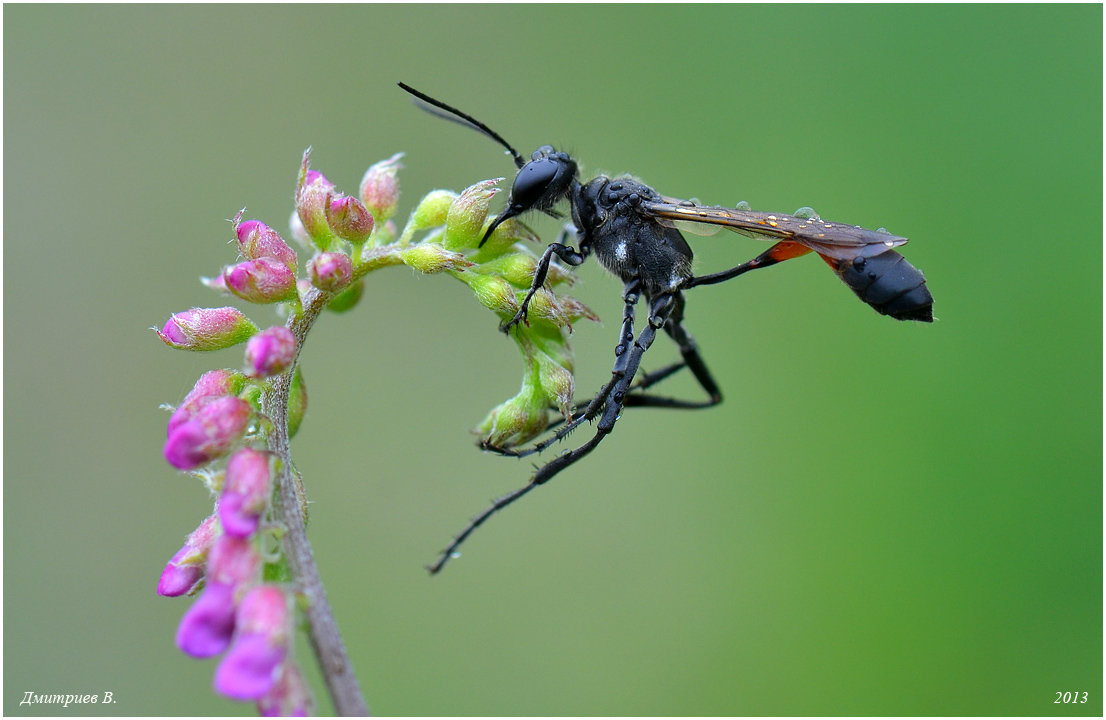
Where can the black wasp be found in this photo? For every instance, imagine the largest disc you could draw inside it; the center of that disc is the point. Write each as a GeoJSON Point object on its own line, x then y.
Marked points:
{"type": "Point", "coordinates": [634, 233]}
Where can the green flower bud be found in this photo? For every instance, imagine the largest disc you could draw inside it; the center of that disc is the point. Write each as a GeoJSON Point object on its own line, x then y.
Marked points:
{"type": "Point", "coordinates": [505, 236]}
{"type": "Point", "coordinates": [346, 299]}
{"type": "Point", "coordinates": [493, 292]}
{"type": "Point", "coordinates": [518, 420]}
{"type": "Point", "coordinates": [432, 258]}
{"type": "Point", "coordinates": [519, 268]}
{"type": "Point", "coordinates": [467, 215]}
{"type": "Point", "coordinates": [556, 382]}
{"type": "Point", "coordinates": [297, 402]}
{"type": "Point", "coordinates": [544, 306]}
{"type": "Point", "coordinates": [432, 210]}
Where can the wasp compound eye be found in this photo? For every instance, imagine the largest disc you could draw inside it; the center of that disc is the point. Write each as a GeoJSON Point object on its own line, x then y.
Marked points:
{"type": "Point", "coordinates": [533, 180]}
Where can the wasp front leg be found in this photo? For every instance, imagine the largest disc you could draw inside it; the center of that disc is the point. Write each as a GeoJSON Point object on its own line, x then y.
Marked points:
{"type": "Point", "coordinates": [630, 295]}
{"type": "Point", "coordinates": [567, 254]}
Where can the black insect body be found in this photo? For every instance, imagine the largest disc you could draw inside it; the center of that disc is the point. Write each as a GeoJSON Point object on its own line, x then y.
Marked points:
{"type": "Point", "coordinates": [635, 233]}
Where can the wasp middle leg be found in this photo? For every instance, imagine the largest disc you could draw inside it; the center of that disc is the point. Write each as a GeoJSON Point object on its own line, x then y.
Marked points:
{"type": "Point", "coordinates": [626, 366]}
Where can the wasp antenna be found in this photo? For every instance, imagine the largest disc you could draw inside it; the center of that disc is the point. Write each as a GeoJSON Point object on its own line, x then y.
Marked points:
{"type": "Point", "coordinates": [454, 115]}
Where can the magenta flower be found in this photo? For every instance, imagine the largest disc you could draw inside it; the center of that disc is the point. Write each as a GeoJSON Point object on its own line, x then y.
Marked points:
{"type": "Point", "coordinates": [185, 571]}
{"type": "Point", "coordinates": [270, 352]}
{"type": "Point", "coordinates": [207, 626]}
{"type": "Point", "coordinates": [330, 271]}
{"type": "Point", "coordinates": [210, 386]}
{"type": "Point", "coordinates": [380, 188]}
{"type": "Point", "coordinates": [312, 197]}
{"type": "Point", "coordinates": [210, 434]}
{"type": "Point", "coordinates": [207, 329]}
{"type": "Point", "coordinates": [290, 696]}
{"type": "Point", "coordinates": [245, 492]}
{"type": "Point", "coordinates": [249, 671]}
{"type": "Point", "coordinates": [349, 219]}
{"type": "Point", "coordinates": [264, 280]}
{"type": "Point", "coordinates": [258, 240]}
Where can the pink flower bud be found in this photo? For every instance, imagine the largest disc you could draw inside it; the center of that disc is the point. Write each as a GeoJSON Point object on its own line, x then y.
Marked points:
{"type": "Point", "coordinates": [210, 434]}
{"type": "Point", "coordinates": [186, 569]}
{"type": "Point", "coordinates": [270, 352]}
{"type": "Point", "coordinates": [330, 272]}
{"type": "Point", "coordinates": [217, 283]}
{"type": "Point", "coordinates": [258, 240]}
{"type": "Point", "coordinates": [233, 561]}
{"type": "Point", "coordinates": [207, 329]}
{"type": "Point", "coordinates": [312, 197]}
{"type": "Point", "coordinates": [290, 696]}
{"type": "Point", "coordinates": [211, 385]}
{"type": "Point", "coordinates": [262, 281]}
{"type": "Point", "coordinates": [249, 671]}
{"type": "Point", "coordinates": [380, 188]}
{"type": "Point", "coordinates": [464, 226]}
{"type": "Point", "coordinates": [245, 492]}
{"type": "Point", "coordinates": [349, 219]}
{"type": "Point", "coordinates": [264, 611]}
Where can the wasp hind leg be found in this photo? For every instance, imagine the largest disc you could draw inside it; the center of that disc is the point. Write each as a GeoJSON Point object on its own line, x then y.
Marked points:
{"type": "Point", "coordinates": [674, 327]}
{"type": "Point", "coordinates": [779, 252]}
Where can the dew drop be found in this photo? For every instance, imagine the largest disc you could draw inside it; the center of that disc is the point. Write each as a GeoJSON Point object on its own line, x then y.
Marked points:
{"type": "Point", "coordinates": [455, 554]}
{"type": "Point", "coordinates": [743, 206]}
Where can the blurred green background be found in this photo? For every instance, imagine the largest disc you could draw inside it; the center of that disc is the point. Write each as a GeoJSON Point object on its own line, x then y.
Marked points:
{"type": "Point", "coordinates": [882, 518]}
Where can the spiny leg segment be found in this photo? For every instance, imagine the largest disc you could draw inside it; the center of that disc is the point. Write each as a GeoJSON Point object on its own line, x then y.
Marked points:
{"type": "Point", "coordinates": [614, 392]}
{"type": "Point", "coordinates": [666, 311]}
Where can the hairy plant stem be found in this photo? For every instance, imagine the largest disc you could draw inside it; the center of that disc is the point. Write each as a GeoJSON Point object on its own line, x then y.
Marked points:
{"type": "Point", "coordinates": [326, 641]}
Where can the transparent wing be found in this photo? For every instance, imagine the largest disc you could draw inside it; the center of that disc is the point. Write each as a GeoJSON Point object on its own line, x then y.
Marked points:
{"type": "Point", "coordinates": [836, 240]}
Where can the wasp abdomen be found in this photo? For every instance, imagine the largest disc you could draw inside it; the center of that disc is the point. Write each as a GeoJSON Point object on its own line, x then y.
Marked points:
{"type": "Point", "coordinates": [889, 284]}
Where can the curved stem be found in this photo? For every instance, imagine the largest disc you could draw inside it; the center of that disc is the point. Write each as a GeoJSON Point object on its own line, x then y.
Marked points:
{"type": "Point", "coordinates": [326, 641]}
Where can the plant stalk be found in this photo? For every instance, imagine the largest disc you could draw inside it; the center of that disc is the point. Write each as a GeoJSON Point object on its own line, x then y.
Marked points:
{"type": "Point", "coordinates": [326, 641]}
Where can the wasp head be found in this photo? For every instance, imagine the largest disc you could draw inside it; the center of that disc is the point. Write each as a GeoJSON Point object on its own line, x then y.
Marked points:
{"type": "Point", "coordinates": [539, 185]}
